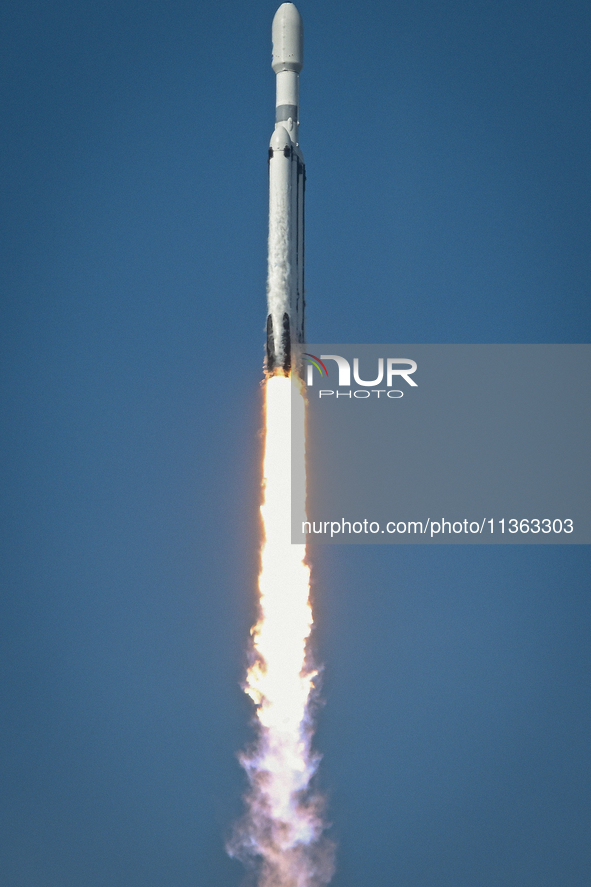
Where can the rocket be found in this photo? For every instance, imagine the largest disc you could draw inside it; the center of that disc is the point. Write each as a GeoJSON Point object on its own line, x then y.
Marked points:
{"type": "Point", "coordinates": [285, 279]}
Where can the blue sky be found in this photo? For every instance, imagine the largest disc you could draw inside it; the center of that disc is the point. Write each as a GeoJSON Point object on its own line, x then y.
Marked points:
{"type": "Point", "coordinates": [447, 147]}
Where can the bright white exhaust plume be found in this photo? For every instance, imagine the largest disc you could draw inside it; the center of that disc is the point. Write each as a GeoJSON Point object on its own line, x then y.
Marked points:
{"type": "Point", "coordinates": [282, 831]}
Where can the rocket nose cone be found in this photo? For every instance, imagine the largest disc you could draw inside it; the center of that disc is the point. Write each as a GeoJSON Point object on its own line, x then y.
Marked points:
{"type": "Point", "coordinates": [288, 39]}
{"type": "Point", "coordinates": [280, 139]}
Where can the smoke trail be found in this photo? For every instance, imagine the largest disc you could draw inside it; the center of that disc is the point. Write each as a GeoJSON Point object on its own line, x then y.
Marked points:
{"type": "Point", "coordinates": [282, 832]}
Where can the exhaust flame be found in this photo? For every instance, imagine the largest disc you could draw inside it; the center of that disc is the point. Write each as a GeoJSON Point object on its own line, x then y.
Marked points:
{"type": "Point", "coordinates": [283, 828]}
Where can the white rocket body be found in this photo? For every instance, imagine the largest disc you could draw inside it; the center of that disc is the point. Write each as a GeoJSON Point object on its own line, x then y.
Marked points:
{"type": "Point", "coordinates": [285, 281]}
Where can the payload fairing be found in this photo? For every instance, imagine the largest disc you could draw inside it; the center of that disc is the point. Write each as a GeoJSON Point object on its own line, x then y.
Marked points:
{"type": "Point", "coordinates": [285, 281]}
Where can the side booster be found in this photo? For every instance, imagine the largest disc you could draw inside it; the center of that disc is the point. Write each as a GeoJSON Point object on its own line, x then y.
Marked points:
{"type": "Point", "coordinates": [285, 280]}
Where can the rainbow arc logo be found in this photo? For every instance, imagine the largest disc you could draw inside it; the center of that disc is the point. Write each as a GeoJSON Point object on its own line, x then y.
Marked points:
{"type": "Point", "coordinates": [312, 360]}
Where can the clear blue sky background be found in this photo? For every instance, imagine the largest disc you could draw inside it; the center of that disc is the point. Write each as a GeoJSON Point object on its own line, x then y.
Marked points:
{"type": "Point", "coordinates": [447, 145]}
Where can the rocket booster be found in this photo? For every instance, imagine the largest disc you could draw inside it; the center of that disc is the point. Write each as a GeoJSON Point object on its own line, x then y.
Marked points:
{"type": "Point", "coordinates": [285, 280]}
